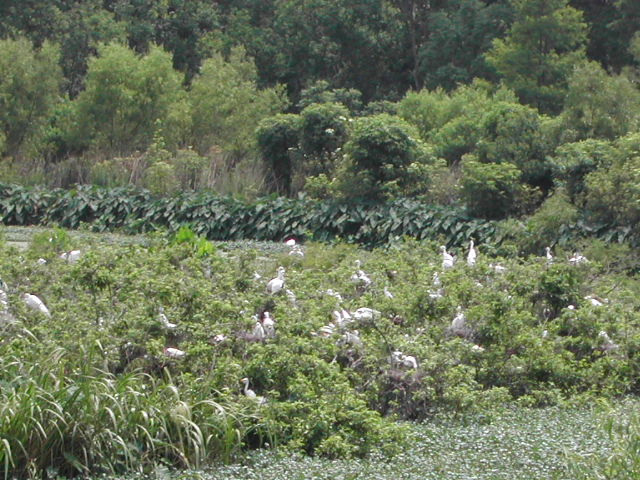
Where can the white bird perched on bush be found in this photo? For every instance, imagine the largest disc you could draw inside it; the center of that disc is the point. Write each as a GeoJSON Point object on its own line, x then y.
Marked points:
{"type": "Point", "coordinates": [548, 254]}
{"type": "Point", "coordinates": [291, 242]}
{"type": "Point", "coordinates": [71, 256]}
{"type": "Point", "coordinates": [336, 295]}
{"type": "Point", "coordinates": [365, 313]}
{"type": "Point", "coordinates": [296, 251]}
{"type": "Point", "coordinates": [607, 344]}
{"type": "Point", "coordinates": [350, 338]}
{"type": "Point", "coordinates": [387, 293]}
{"type": "Point", "coordinates": [276, 284]}
{"type": "Point", "coordinates": [35, 303]}
{"type": "Point", "coordinates": [326, 330]}
{"type": "Point", "coordinates": [497, 268]}
{"type": "Point", "coordinates": [594, 301]}
{"type": "Point", "coordinates": [269, 325]}
{"type": "Point", "coordinates": [459, 323]}
{"type": "Point", "coordinates": [472, 255]}
{"type": "Point", "coordinates": [258, 330]}
{"type": "Point", "coordinates": [291, 297]}
{"type": "Point", "coordinates": [578, 259]}
{"type": "Point", "coordinates": [251, 394]}
{"type": "Point", "coordinates": [447, 259]}
{"type": "Point", "coordinates": [401, 360]}
{"type": "Point", "coordinates": [41, 261]}
{"type": "Point", "coordinates": [164, 320]}
{"type": "Point", "coordinates": [360, 278]}
{"type": "Point", "coordinates": [172, 352]}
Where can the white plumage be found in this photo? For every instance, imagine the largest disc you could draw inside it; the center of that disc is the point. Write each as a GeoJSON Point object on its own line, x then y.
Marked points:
{"type": "Point", "coordinates": [251, 394]}
{"type": "Point", "coordinates": [162, 318]}
{"type": "Point", "coordinates": [365, 313]}
{"type": "Point", "coordinates": [276, 284]}
{"type": "Point", "coordinates": [548, 254]}
{"type": "Point", "coordinates": [447, 259]}
{"type": "Point", "coordinates": [472, 255]}
{"type": "Point", "coordinates": [458, 324]}
{"type": "Point", "coordinates": [399, 359]}
{"type": "Point", "coordinates": [35, 303]}
{"type": "Point", "coordinates": [269, 325]}
{"type": "Point", "coordinates": [360, 278]}
{"type": "Point", "coordinates": [71, 256]}
{"type": "Point", "coordinates": [172, 352]}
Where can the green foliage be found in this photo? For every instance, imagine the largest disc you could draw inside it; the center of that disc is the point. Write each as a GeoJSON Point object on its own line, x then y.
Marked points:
{"type": "Point", "coordinates": [227, 219]}
{"type": "Point", "coordinates": [512, 133]}
{"type": "Point", "coordinates": [227, 105]}
{"type": "Point", "coordinates": [29, 90]}
{"type": "Point", "coordinates": [323, 130]}
{"type": "Point", "coordinates": [126, 99]}
{"type": "Point", "coordinates": [490, 190]}
{"type": "Point", "coordinates": [611, 191]}
{"type": "Point", "coordinates": [277, 136]}
{"type": "Point", "coordinates": [90, 389]}
{"type": "Point", "coordinates": [572, 162]}
{"type": "Point", "coordinates": [623, 461]}
{"type": "Point", "coordinates": [598, 105]}
{"type": "Point", "coordinates": [380, 150]}
{"type": "Point", "coordinates": [543, 45]}
{"type": "Point", "coordinates": [548, 222]}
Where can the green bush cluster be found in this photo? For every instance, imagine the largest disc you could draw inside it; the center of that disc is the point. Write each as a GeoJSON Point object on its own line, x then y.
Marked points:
{"type": "Point", "coordinates": [91, 389]}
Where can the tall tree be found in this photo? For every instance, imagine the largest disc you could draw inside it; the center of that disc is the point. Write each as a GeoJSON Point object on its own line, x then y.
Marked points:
{"type": "Point", "coordinates": [29, 89]}
{"type": "Point", "coordinates": [545, 42]}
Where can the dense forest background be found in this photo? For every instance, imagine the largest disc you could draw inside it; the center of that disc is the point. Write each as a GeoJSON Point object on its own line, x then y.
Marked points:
{"type": "Point", "coordinates": [507, 108]}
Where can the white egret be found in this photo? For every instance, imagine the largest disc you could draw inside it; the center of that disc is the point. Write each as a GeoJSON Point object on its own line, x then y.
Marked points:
{"type": "Point", "coordinates": [296, 251]}
{"type": "Point", "coordinates": [458, 324]}
{"type": "Point", "coordinates": [594, 301]}
{"type": "Point", "coordinates": [548, 254]}
{"type": "Point", "coordinates": [269, 325]}
{"type": "Point", "coordinates": [447, 259]}
{"type": "Point", "coordinates": [360, 278]}
{"type": "Point", "coordinates": [350, 338]}
{"type": "Point", "coordinates": [276, 284]}
{"type": "Point", "coordinates": [387, 293]}
{"type": "Point", "coordinates": [607, 344]}
{"type": "Point", "coordinates": [164, 320]}
{"type": "Point", "coordinates": [472, 255]}
{"type": "Point", "coordinates": [258, 330]}
{"type": "Point", "coordinates": [36, 304]}
{"type": "Point", "coordinates": [365, 313]}
{"type": "Point", "coordinates": [578, 259]}
{"type": "Point", "coordinates": [172, 352]}
{"type": "Point", "coordinates": [71, 256]}
{"type": "Point", "coordinates": [251, 394]}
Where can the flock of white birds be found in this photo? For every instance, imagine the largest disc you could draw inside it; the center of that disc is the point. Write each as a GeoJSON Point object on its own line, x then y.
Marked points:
{"type": "Point", "coordinates": [343, 320]}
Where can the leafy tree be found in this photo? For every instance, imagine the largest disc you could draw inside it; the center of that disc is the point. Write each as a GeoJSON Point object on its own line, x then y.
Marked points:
{"type": "Point", "coordinates": [29, 90]}
{"type": "Point", "coordinates": [536, 58]}
{"type": "Point", "coordinates": [490, 190]}
{"type": "Point", "coordinates": [321, 92]}
{"type": "Point", "coordinates": [323, 130]}
{"type": "Point", "coordinates": [379, 154]}
{"type": "Point", "coordinates": [127, 99]}
{"type": "Point", "coordinates": [599, 105]}
{"type": "Point", "coordinates": [612, 191]}
{"type": "Point", "coordinates": [572, 162]}
{"type": "Point", "coordinates": [277, 136]}
{"type": "Point", "coordinates": [187, 22]}
{"type": "Point", "coordinates": [84, 26]}
{"type": "Point", "coordinates": [227, 105]}
{"type": "Point", "coordinates": [459, 36]}
{"type": "Point", "coordinates": [512, 133]}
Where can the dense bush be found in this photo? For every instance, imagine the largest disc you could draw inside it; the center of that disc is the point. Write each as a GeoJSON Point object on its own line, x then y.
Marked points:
{"type": "Point", "coordinates": [91, 388]}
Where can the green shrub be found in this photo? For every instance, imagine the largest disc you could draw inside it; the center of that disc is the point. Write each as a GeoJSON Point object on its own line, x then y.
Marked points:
{"type": "Point", "coordinates": [490, 190]}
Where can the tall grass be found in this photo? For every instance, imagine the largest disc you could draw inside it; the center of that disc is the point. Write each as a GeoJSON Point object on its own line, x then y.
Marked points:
{"type": "Point", "coordinates": [75, 418]}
